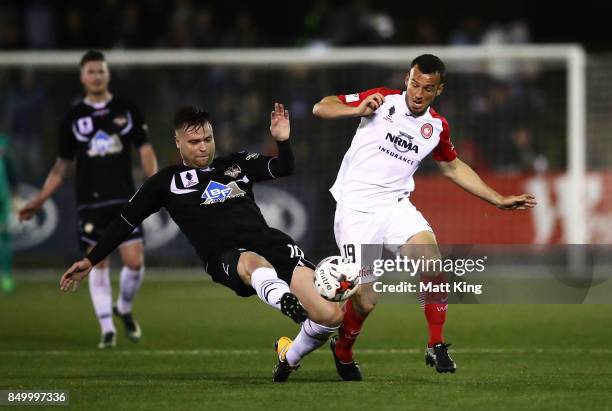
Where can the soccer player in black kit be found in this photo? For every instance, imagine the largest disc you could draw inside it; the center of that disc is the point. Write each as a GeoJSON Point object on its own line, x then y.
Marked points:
{"type": "Point", "coordinates": [211, 200]}
{"type": "Point", "coordinates": [98, 133]}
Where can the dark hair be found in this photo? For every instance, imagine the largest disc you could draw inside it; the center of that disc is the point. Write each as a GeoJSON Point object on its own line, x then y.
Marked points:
{"type": "Point", "coordinates": [92, 55]}
{"type": "Point", "coordinates": [428, 63]}
{"type": "Point", "coordinates": [190, 117]}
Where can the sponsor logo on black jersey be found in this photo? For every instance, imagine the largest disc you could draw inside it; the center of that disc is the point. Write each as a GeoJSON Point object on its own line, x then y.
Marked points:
{"type": "Point", "coordinates": [403, 142]}
{"type": "Point", "coordinates": [102, 144]}
{"type": "Point", "coordinates": [216, 192]}
{"type": "Point", "coordinates": [120, 121]}
{"type": "Point", "coordinates": [233, 171]}
{"type": "Point", "coordinates": [252, 156]}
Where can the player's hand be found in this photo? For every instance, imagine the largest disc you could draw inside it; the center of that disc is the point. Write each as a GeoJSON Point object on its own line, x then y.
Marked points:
{"type": "Point", "coordinates": [279, 123]}
{"type": "Point", "coordinates": [522, 202]}
{"type": "Point", "coordinates": [29, 210]}
{"type": "Point", "coordinates": [78, 271]}
{"type": "Point", "coordinates": [370, 104]}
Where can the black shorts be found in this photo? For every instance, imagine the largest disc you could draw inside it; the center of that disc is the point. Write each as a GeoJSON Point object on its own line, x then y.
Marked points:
{"type": "Point", "coordinates": [93, 222]}
{"type": "Point", "coordinates": [276, 247]}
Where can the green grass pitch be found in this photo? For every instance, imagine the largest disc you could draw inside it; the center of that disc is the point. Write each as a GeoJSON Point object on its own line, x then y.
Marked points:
{"type": "Point", "coordinates": [204, 348]}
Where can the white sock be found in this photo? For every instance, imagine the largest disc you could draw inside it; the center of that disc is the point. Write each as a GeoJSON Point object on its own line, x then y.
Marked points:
{"type": "Point", "coordinates": [102, 298]}
{"type": "Point", "coordinates": [130, 281]}
{"type": "Point", "coordinates": [268, 286]}
{"type": "Point", "coordinates": [310, 337]}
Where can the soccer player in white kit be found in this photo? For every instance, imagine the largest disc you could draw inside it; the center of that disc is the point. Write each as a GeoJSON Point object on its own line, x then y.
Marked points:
{"type": "Point", "coordinates": [398, 129]}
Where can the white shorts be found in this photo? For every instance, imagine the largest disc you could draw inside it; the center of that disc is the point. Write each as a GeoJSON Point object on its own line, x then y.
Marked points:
{"type": "Point", "coordinates": [391, 226]}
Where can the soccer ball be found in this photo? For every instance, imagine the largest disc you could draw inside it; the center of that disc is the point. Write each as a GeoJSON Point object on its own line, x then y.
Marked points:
{"type": "Point", "coordinates": [336, 278]}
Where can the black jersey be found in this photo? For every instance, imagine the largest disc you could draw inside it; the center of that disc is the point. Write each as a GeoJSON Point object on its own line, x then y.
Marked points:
{"type": "Point", "coordinates": [100, 138]}
{"type": "Point", "coordinates": [214, 207]}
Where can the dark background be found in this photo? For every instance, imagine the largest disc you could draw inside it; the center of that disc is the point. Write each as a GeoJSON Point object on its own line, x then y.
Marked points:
{"type": "Point", "coordinates": [190, 23]}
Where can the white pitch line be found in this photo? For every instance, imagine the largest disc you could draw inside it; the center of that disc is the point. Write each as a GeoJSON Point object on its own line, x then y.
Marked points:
{"type": "Point", "coordinates": [366, 351]}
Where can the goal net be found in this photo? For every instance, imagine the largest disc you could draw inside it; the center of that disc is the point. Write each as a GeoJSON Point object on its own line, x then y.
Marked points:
{"type": "Point", "coordinates": [517, 114]}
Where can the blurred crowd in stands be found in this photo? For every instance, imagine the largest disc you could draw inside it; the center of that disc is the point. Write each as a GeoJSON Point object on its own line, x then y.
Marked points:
{"type": "Point", "coordinates": [39, 24]}
{"type": "Point", "coordinates": [500, 120]}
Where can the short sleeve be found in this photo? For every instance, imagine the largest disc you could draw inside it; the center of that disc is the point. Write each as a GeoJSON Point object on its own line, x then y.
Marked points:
{"type": "Point", "coordinates": [140, 130]}
{"type": "Point", "coordinates": [355, 99]}
{"type": "Point", "coordinates": [67, 140]}
{"type": "Point", "coordinates": [148, 199]}
{"type": "Point", "coordinates": [444, 151]}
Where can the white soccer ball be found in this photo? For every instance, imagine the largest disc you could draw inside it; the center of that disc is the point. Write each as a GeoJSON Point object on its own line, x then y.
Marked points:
{"type": "Point", "coordinates": [336, 278]}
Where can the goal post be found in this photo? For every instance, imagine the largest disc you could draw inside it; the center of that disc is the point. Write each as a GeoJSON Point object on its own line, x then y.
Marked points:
{"type": "Point", "coordinates": [332, 67]}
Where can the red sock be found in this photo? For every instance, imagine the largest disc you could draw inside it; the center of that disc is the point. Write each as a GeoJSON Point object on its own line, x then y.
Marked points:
{"type": "Point", "coordinates": [348, 333]}
{"type": "Point", "coordinates": [436, 315]}
{"type": "Point", "coordinates": [435, 306]}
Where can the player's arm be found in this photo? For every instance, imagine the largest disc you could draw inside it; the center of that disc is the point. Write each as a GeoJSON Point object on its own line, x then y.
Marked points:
{"type": "Point", "coordinates": [147, 200]}
{"type": "Point", "coordinates": [332, 107]}
{"type": "Point", "coordinates": [280, 129]}
{"type": "Point", "coordinates": [465, 177]}
{"type": "Point", "coordinates": [148, 159]}
{"type": "Point", "coordinates": [63, 164]}
{"type": "Point", "coordinates": [260, 167]}
{"type": "Point", "coordinates": [52, 183]}
{"type": "Point", "coordinates": [140, 138]}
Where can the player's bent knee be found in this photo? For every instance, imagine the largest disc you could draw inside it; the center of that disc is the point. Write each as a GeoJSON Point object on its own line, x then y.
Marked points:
{"type": "Point", "coordinates": [134, 262]}
{"type": "Point", "coordinates": [365, 308]}
{"type": "Point", "coordinates": [336, 318]}
{"type": "Point", "coordinates": [421, 245]}
{"type": "Point", "coordinates": [102, 264]}
{"type": "Point", "coordinates": [364, 303]}
{"type": "Point", "coordinates": [249, 262]}
{"type": "Point", "coordinates": [423, 237]}
{"type": "Point", "coordinates": [133, 265]}
{"type": "Point", "coordinates": [330, 316]}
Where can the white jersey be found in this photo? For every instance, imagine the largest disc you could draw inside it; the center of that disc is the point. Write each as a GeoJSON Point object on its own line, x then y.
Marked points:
{"type": "Point", "coordinates": [386, 151]}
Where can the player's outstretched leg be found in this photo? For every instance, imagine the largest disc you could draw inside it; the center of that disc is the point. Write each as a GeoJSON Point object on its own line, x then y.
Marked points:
{"type": "Point", "coordinates": [356, 311]}
{"type": "Point", "coordinates": [347, 371]}
{"type": "Point", "coordinates": [101, 297]}
{"type": "Point", "coordinates": [259, 273]}
{"type": "Point", "coordinates": [438, 356]}
{"type": "Point", "coordinates": [282, 370]}
{"type": "Point", "coordinates": [108, 340]}
{"type": "Point", "coordinates": [435, 305]}
{"type": "Point", "coordinates": [130, 281]}
{"type": "Point", "coordinates": [324, 317]}
{"type": "Point", "coordinates": [291, 307]}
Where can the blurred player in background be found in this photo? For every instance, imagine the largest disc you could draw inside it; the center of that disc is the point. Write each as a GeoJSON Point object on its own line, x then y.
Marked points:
{"type": "Point", "coordinates": [8, 187]}
{"type": "Point", "coordinates": [398, 129]}
{"type": "Point", "coordinates": [98, 133]}
{"type": "Point", "coordinates": [212, 201]}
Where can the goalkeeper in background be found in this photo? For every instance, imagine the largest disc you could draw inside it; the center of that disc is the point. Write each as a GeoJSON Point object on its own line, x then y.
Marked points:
{"type": "Point", "coordinates": [8, 187]}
